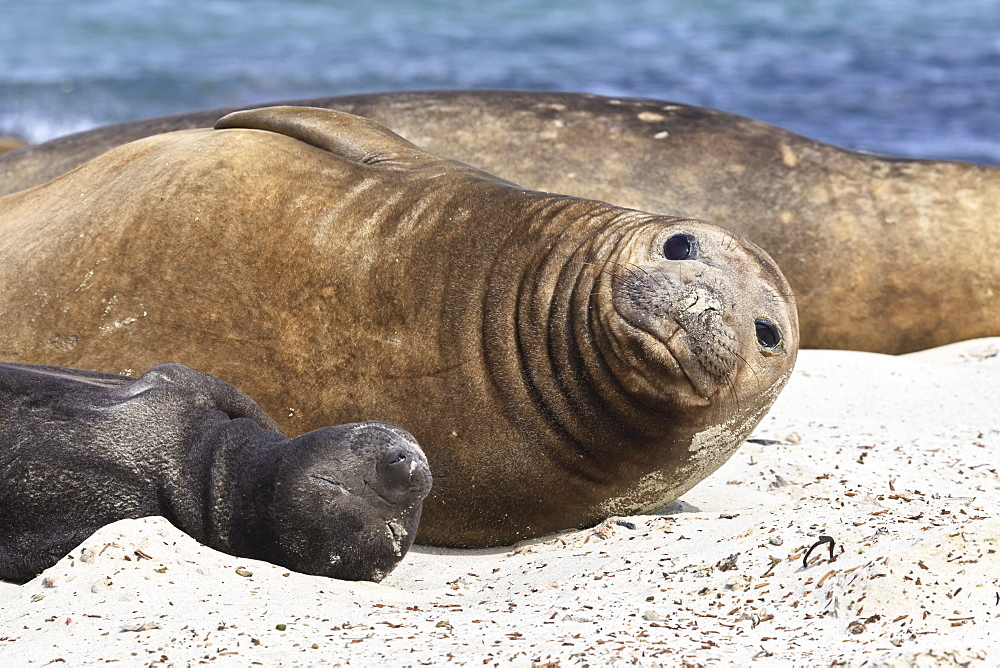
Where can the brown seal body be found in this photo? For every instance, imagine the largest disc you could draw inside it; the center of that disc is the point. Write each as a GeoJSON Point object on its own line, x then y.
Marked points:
{"type": "Point", "coordinates": [558, 359]}
{"type": "Point", "coordinates": [883, 254]}
{"type": "Point", "coordinates": [10, 143]}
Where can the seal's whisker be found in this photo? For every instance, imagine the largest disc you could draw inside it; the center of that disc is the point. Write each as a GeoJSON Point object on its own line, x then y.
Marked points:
{"type": "Point", "coordinates": [747, 364]}
{"type": "Point", "coordinates": [729, 239]}
{"type": "Point", "coordinates": [630, 271]}
{"type": "Point", "coordinates": [623, 279]}
{"type": "Point", "coordinates": [441, 484]}
{"type": "Point", "coordinates": [734, 393]}
{"type": "Point", "coordinates": [783, 297]}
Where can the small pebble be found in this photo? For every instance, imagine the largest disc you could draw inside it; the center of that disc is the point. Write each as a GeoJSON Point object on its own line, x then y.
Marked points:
{"type": "Point", "coordinates": [576, 618]}
{"type": "Point", "coordinates": [141, 626]}
{"type": "Point", "coordinates": [101, 585]}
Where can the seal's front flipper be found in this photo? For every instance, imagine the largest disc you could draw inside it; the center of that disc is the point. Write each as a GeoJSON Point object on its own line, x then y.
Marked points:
{"type": "Point", "coordinates": [352, 137]}
{"type": "Point", "coordinates": [184, 388]}
{"type": "Point", "coordinates": [39, 375]}
{"type": "Point", "coordinates": [25, 555]}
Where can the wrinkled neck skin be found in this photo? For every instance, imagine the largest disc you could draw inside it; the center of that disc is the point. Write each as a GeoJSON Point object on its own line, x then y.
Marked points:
{"type": "Point", "coordinates": [223, 467]}
{"type": "Point", "coordinates": [605, 410]}
{"type": "Point", "coordinates": [546, 345]}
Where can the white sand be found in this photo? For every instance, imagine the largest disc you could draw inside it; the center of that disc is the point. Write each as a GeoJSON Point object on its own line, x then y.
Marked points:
{"type": "Point", "coordinates": [895, 458]}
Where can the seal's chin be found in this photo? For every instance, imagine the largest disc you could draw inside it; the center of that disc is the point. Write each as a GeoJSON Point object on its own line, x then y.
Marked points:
{"type": "Point", "coordinates": [667, 370]}
{"type": "Point", "coordinates": [682, 347]}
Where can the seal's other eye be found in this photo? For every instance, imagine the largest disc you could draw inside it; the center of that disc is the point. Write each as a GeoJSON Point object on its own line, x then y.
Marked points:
{"type": "Point", "coordinates": [679, 247]}
{"type": "Point", "coordinates": [768, 335]}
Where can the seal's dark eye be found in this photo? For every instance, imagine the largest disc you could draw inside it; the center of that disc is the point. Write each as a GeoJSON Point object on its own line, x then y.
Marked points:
{"type": "Point", "coordinates": [679, 247]}
{"type": "Point", "coordinates": [768, 335]}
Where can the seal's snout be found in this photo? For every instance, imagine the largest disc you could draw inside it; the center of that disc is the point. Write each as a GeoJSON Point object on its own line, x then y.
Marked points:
{"type": "Point", "coordinates": [704, 345]}
{"type": "Point", "coordinates": [685, 311]}
{"type": "Point", "coordinates": [400, 467]}
{"type": "Point", "coordinates": [700, 301]}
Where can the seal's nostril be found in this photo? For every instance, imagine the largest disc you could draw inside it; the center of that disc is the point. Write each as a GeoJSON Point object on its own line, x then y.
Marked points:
{"type": "Point", "coordinates": [397, 465]}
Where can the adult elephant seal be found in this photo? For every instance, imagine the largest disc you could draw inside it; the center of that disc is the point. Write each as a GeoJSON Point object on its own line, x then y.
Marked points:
{"type": "Point", "coordinates": [883, 254]}
{"type": "Point", "coordinates": [559, 359]}
{"type": "Point", "coordinates": [83, 449]}
{"type": "Point", "coordinates": [10, 143]}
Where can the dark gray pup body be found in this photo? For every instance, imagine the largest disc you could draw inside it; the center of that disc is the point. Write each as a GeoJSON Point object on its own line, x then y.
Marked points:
{"type": "Point", "coordinates": [81, 449]}
{"type": "Point", "coordinates": [883, 254]}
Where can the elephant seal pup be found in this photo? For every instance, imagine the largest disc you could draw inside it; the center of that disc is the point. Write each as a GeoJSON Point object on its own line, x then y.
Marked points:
{"type": "Point", "coordinates": [81, 449]}
{"type": "Point", "coordinates": [559, 359]}
{"type": "Point", "coordinates": [884, 254]}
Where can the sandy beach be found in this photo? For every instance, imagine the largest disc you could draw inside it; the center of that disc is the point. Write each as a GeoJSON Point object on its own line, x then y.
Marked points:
{"type": "Point", "coordinates": [891, 457]}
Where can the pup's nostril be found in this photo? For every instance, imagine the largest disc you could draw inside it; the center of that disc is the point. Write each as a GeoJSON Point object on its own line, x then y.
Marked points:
{"type": "Point", "coordinates": [397, 465]}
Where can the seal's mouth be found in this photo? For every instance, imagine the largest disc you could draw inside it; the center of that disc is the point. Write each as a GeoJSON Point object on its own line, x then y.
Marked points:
{"type": "Point", "coordinates": [375, 490]}
{"type": "Point", "coordinates": [670, 348]}
{"type": "Point", "coordinates": [339, 486]}
{"type": "Point", "coordinates": [343, 489]}
{"type": "Point", "coordinates": [682, 346]}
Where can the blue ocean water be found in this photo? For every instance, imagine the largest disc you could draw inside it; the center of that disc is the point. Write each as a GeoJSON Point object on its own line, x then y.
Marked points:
{"type": "Point", "coordinates": [913, 78]}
